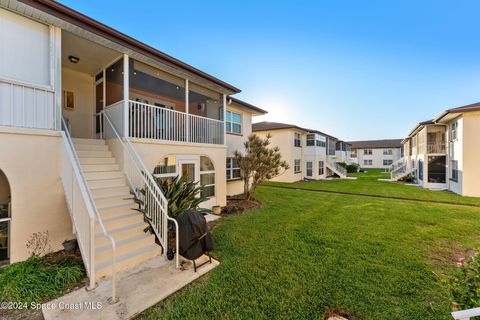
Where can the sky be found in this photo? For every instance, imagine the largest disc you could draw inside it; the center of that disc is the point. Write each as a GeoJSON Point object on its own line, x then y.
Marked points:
{"type": "Point", "coordinates": [354, 69]}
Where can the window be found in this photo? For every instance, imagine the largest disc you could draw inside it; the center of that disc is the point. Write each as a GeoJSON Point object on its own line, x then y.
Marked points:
{"type": "Point", "coordinates": [309, 168]}
{"type": "Point", "coordinates": [167, 167]}
{"type": "Point", "coordinates": [207, 177]}
{"type": "Point", "coordinates": [367, 151]}
{"type": "Point", "coordinates": [387, 162]}
{"type": "Point", "coordinates": [354, 154]}
{"type": "Point", "coordinates": [296, 166]}
{"type": "Point", "coordinates": [320, 168]}
{"type": "Point", "coordinates": [297, 140]}
{"type": "Point", "coordinates": [310, 140]}
{"type": "Point", "coordinates": [436, 169]}
{"type": "Point", "coordinates": [454, 174]}
{"type": "Point", "coordinates": [368, 162]}
{"type": "Point", "coordinates": [320, 141]}
{"type": "Point", "coordinates": [420, 170]}
{"type": "Point", "coordinates": [387, 152]}
{"type": "Point", "coordinates": [233, 169]}
{"type": "Point", "coordinates": [453, 131]}
{"type": "Point", "coordinates": [234, 122]}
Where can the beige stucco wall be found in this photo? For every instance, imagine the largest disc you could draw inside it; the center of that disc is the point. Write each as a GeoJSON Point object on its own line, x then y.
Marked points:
{"type": "Point", "coordinates": [81, 118]}
{"type": "Point", "coordinates": [284, 139]}
{"type": "Point", "coordinates": [471, 154]}
{"type": "Point", "coordinates": [152, 151]}
{"type": "Point", "coordinates": [31, 163]}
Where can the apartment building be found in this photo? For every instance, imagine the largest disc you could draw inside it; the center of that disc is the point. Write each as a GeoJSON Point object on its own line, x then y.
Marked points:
{"type": "Point", "coordinates": [89, 115]}
{"type": "Point", "coordinates": [442, 153]}
{"type": "Point", "coordinates": [311, 154]}
{"type": "Point", "coordinates": [238, 129]}
{"type": "Point", "coordinates": [376, 153]}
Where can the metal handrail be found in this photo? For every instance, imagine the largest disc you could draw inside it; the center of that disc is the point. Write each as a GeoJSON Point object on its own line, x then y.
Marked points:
{"type": "Point", "coordinates": [92, 208]}
{"type": "Point", "coordinates": [151, 183]}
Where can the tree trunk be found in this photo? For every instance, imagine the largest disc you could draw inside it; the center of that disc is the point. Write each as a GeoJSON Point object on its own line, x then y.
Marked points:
{"type": "Point", "coordinates": [246, 191]}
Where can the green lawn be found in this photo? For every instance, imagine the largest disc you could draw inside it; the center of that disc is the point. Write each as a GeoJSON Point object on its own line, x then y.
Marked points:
{"type": "Point", "coordinates": [304, 253]}
{"type": "Point", "coordinates": [367, 183]}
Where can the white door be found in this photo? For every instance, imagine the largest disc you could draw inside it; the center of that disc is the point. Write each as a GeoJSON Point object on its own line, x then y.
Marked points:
{"type": "Point", "coordinates": [189, 170]}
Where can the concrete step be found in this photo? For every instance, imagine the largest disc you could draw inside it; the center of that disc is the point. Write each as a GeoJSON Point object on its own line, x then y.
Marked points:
{"type": "Point", "coordinates": [117, 210]}
{"type": "Point", "coordinates": [103, 175]}
{"type": "Point", "coordinates": [100, 167]}
{"type": "Point", "coordinates": [87, 141]}
{"type": "Point", "coordinates": [89, 161]}
{"type": "Point", "coordinates": [113, 201]}
{"type": "Point", "coordinates": [91, 147]}
{"type": "Point", "coordinates": [119, 221]}
{"type": "Point", "coordinates": [120, 233]}
{"type": "Point", "coordinates": [127, 260]}
{"type": "Point", "coordinates": [99, 193]}
{"type": "Point", "coordinates": [94, 154]}
{"type": "Point", "coordinates": [124, 246]}
{"type": "Point", "coordinates": [116, 182]}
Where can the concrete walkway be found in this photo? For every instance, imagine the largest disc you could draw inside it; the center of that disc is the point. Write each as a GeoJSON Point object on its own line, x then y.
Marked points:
{"type": "Point", "coordinates": [138, 289]}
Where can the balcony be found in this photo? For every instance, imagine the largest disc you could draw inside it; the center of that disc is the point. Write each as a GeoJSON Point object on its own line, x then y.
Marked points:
{"type": "Point", "coordinates": [151, 122]}
{"type": "Point", "coordinates": [436, 147]}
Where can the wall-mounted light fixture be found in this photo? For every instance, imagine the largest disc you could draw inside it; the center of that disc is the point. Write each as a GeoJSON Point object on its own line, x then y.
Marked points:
{"type": "Point", "coordinates": [73, 59]}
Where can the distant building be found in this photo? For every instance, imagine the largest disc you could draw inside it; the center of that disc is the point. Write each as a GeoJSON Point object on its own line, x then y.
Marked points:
{"type": "Point", "coordinates": [376, 153]}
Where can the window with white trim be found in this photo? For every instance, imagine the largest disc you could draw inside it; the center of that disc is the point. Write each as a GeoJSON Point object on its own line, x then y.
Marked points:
{"type": "Point", "coordinates": [296, 166]}
{"type": "Point", "coordinates": [368, 162]}
{"type": "Point", "coordinates": [166, 168]}
{"type": "Point", "coordinates": [233, 169]}
{"type": "Point", "coordinates": [309, 168]}
{"type": "Point", "coordinates": [296, 140]}
{"type": "Point", "coordinates": [454, 168]}
{"type": "Point", "coordinates": [207, 177]}
{"type": "Point", "coordinates": [387, 152]}
{"type": "Point", "coordinates": [367, 151]}
{"type": "Point", "coordinates": [453, 131]}
{"type": "Point", "coordinates": [321, 169]}
{"type": "Point", "coordinates": [233, 122]}
{"type": "Point", "coordinates": [387, 162]}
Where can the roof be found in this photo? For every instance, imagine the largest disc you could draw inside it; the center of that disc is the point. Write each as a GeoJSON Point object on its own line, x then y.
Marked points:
{"type": "Point", "coordinates": [74, 17]}
{"type": "Point", "coordinates": [248, 105]}
{"type": "Point", "coordinates": [266, 126]}
{"type": "Point", "coordinates": [420, 125]}
{"type": "Point", "coordinates": [373, 144]}
{"type": "Point", "coordinates": [462, 109]}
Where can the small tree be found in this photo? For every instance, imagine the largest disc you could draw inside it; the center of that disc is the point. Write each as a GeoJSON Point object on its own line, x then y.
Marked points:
{"type": "Point", "coordinates": [258, 163]}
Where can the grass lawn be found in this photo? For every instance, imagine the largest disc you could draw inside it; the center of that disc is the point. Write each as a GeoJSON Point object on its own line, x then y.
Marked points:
{"type": "Point", "coordinates": [304, 253]}
{"type": "Point", "coordinates": [367, 183]}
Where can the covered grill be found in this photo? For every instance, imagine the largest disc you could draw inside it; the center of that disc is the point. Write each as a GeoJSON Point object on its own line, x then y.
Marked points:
{"type": "Point", "coordinates": [194, 238]}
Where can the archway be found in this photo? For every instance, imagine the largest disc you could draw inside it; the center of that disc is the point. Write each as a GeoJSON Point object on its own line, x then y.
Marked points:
{"type": "Point", "coordinates": [5, 216]}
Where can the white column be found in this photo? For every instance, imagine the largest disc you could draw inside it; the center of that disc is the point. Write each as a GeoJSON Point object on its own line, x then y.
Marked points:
{"type": "Point", "coordinates": [224, 119]}
{"type": "Point", "coordinates": [187, 110]}
{"type": "Point", "coordinates": [126, 88]}
{"type": "Point", "coordinates": [56, 73]}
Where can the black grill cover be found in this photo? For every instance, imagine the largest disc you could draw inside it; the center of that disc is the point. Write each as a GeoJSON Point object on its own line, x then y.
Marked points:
{"type": "Point", "coordinates": [194, 238]}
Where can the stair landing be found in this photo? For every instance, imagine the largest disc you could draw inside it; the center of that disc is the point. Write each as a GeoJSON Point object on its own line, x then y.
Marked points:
{"type": "Point", "coordinates": [138, 289]}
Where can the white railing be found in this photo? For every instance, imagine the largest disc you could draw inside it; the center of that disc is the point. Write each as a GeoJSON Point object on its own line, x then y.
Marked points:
{"type": "Point", "coordinates": [83, 211]}
{"type": "Point", "coordinates": [141, 182]}
{"type": "Point", "coordinates": [152, 122]}
{"type": "Point", "coordinates": [400, 169]}
{"type": "Point", "coordinates": [335, 167]}
{"type": "Point", "coordinates": [397, 164]}
{"type": "Point", "coordinates": [26, 105]}
{"type": "Point", "coordinates": [437, 147]}
{"type": "Point", "coordinates": [466, 314]}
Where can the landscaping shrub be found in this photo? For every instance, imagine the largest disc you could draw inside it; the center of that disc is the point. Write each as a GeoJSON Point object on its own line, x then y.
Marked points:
{"type": "Point", "coordinates": [352, 168]}
{"type": "Point", "coordinates": [38, 279]}
{"type": "Point", "coordinates": [465, 284]}
{"type": "Point", "coordinates": [342, 164]}
{"type": "Point", "coordinates": [408, 179]}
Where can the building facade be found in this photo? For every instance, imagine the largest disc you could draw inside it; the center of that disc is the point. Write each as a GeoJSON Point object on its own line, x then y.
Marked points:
{"type": "Point", "coordinates": [311, 154]}
{"type": "Point", "coordinates": [442, 153]}
{"type": "Point", "coordinates": [376, 153]}
{"type": "Point", "coordinates": [89, 116]}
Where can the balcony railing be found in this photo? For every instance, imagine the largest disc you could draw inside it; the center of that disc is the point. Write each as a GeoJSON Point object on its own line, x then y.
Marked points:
{"type": "Point", "coordinates": [27, 106]}
{"type": "Point", "coordinates": [437, 147]}
{"type": "Point", "coordinates": [153, 122]}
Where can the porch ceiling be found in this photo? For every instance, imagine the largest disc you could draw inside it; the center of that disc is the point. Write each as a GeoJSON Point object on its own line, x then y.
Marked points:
{"type": "Point", "coordinates": [92, 56]}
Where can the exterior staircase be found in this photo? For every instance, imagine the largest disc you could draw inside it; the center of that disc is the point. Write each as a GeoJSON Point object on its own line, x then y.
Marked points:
{"type": "Point", "coordinates": [336, 168]}
{"type": "Point", "coordinates": [400, 169]}
{"type": "Point", "coordinates": [112, 198]}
